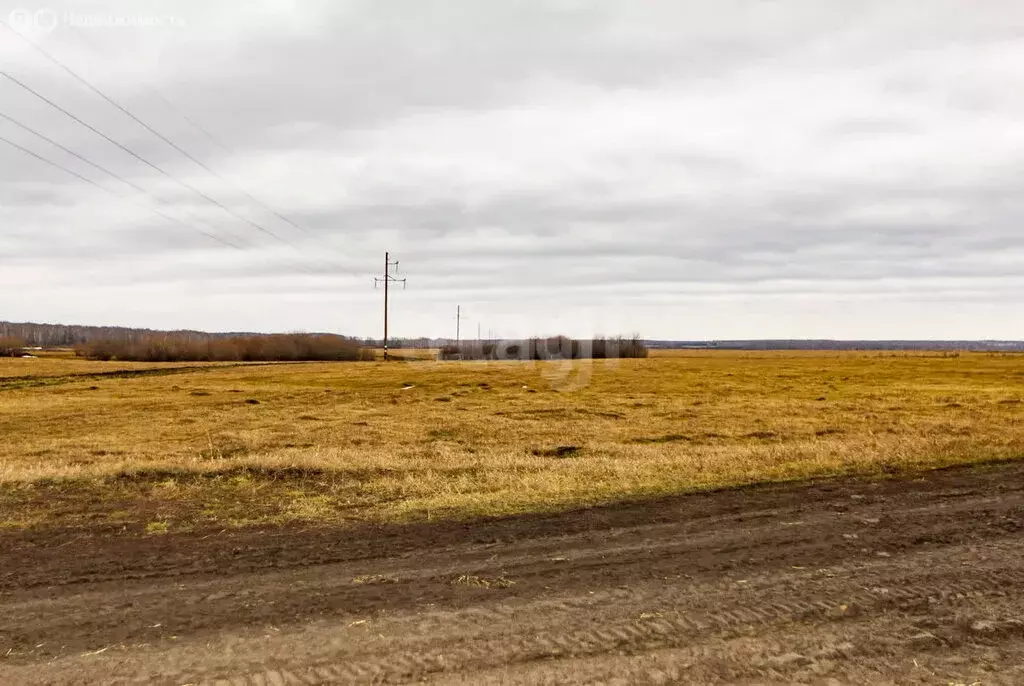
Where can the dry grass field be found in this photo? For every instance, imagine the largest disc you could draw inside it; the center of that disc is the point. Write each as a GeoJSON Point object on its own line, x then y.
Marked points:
{"type": "Point", "coordinates": [190, 447]}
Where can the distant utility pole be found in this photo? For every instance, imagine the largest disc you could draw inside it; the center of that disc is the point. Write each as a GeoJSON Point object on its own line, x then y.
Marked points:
{"type": "Point", "coordinates": [458, 324]}
{"type": "Point", "coordinates": [387, 279]}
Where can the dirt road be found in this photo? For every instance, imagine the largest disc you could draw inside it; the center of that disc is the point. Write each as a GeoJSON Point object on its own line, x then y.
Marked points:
{"type": "Point", "coordinates": [906, 581]}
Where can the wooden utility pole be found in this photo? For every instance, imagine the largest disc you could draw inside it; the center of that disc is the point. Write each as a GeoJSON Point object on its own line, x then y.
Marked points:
{"type": "Point", "coordinates": [387, 279]}
{"type": "Point", "coordinates": [458, 324]}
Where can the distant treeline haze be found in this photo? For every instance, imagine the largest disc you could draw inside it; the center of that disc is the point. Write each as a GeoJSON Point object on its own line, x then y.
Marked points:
{"type": "Point", "coordinates": [61, 336]}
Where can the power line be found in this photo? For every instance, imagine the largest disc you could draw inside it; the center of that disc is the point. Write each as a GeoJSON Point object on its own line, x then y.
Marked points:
{"type": "Point", "coordinates": [54, 164]}
{"type": "Point", "coordinates": [181, 183]}
{"type": "Point", "coordinates": [94, 165]}
{"type": "Point", "coordinates": [104, 188]}
{"type": "Point", "coordinates": [157, 212]}
{"type": "Point", "coordinates": [26, 127]}
{"type": "Point", "coordinates": [196, 125]}
{"type": "Point", "coordinates": [192, 122]}
{"type": "Point", "coordinates": [199, 127]}
{"type": "Point", "coordinates": [153, 131]}
{"type": "Point", "coordinates": [156, 133]}
{"type": "Point", "coordinates": [130, 152]}
{"type": "Point", "coordinates": [91, 182]}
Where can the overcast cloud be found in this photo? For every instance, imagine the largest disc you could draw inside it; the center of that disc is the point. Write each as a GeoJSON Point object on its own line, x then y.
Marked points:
{"type": "Point", "coordinates": [690, 170]}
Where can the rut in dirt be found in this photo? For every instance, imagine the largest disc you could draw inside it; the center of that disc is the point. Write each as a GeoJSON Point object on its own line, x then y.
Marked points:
{"type": "Point", "coordinates": [913, 580]}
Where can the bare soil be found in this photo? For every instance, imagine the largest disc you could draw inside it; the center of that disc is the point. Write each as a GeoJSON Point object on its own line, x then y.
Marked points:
{"type": "Point", "coordinates": [912, 580]}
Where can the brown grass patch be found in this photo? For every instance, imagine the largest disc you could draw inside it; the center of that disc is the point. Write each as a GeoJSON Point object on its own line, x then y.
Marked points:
{"type": "Point", "coordinates": [482, 582]}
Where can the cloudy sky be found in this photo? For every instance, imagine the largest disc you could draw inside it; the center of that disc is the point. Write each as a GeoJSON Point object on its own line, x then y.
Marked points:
{"type": "Point", "coordinates": [696, 170]}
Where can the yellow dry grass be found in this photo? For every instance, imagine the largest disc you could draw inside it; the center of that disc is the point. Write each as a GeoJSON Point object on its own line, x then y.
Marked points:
{"type": "Point", "coordinates": [408, 354]}
{"type": "Point", "coordinates": [390, 442]}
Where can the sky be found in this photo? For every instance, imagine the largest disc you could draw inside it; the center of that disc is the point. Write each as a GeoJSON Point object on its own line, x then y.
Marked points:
{"type": "Point", "coordinates": [677, 170]}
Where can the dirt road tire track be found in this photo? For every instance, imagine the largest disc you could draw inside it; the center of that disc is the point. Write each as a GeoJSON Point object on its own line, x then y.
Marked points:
{"type": "Point", "coordinates": [904, 581]}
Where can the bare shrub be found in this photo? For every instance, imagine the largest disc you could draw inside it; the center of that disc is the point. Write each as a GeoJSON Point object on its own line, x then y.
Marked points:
{"type": "Point", "coordinates": [555, 348]}
{"type": "Point", "coordinates": [11, 347]}
{"type": "Point", "coordinates": [253, 348]}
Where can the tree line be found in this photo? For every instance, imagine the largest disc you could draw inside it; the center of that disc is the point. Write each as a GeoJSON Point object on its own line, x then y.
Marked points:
{"type": "Point", "coordinates": [66, 336]}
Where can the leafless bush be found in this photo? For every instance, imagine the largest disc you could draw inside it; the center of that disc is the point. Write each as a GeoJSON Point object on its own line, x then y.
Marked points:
{"type": "Point", "coordinates": [556, 348]}
{"type": "Point", "coordinates": [254, 348]}
{"type": "Point", "coordinates": [11, 347]}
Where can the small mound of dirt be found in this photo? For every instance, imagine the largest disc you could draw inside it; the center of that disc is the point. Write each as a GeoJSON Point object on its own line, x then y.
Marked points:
{"type": "Point", "coordinates": [561, 451]}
